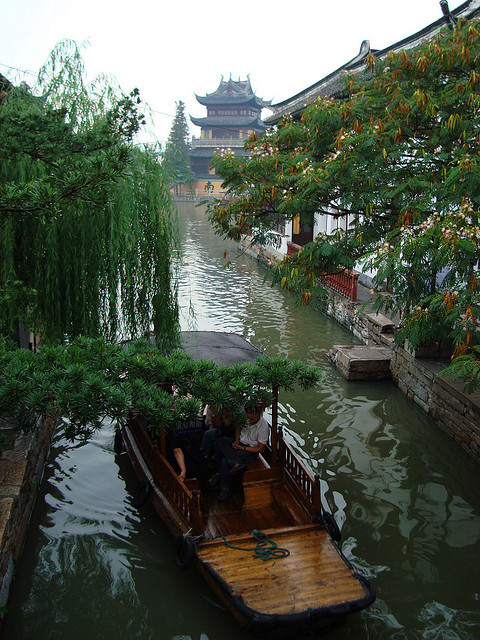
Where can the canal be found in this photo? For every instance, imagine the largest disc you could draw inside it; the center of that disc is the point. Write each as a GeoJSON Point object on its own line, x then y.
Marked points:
{"type": "Point", "coordinates": [405, 496]}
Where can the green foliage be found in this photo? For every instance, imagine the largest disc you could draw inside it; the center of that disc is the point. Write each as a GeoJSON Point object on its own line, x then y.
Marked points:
{"type": "Point", "coordinates": [176, 161]}
{"type": "Point", "coordinates": [397, 162]}
{"type": "Point", "coordinates": [86, 218]}
{"type": "Point", "coordinates": [91, 379]}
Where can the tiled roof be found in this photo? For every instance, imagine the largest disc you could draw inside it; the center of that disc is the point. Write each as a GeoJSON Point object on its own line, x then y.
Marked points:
{"type": "Point", "coordinates": [237, 100]}
{"type": "Point", "coordinates": [333, 84]}
{"type": "Point", "coordinates": [233, 92]}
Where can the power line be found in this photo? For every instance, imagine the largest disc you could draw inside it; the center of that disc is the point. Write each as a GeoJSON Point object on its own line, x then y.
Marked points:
{"type": "Point", "coordinates": [162, 113]}
{"type": "Point", "coordinates": [7, 66]}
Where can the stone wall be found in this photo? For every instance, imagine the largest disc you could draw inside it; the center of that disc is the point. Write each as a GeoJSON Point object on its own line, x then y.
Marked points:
{"type": "Point", "coordinates": [454, 411]}
{"type": "Point", "coordinates": [21, 466]}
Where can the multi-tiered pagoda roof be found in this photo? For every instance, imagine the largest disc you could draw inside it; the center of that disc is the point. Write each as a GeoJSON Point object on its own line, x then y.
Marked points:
{"type": "Point", "coordinates": [233, 106]}
{"type": "Point", "coordinates": [233, 113]}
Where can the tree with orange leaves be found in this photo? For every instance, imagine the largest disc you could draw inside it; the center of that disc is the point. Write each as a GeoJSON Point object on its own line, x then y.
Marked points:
{"type": "Point", "coordinates": [400, 157]}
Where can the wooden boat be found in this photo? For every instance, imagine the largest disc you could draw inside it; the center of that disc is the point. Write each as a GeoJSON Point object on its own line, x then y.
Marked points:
{"type": "Point", "coordinates": [276, 503]}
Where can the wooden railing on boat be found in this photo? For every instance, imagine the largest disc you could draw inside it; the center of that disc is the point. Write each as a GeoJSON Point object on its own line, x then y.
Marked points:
{"type": "Point", "coordinates": [186, 501]}
{"type": "Point", "coordinates": [305, 486]}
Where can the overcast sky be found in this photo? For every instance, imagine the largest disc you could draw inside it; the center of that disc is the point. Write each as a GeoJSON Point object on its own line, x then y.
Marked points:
{"type": "Point", "coordinates": [173, 49]}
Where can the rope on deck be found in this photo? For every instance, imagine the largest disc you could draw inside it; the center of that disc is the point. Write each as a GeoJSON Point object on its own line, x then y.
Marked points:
{"type": "Point", "coordinates": [265, 549]}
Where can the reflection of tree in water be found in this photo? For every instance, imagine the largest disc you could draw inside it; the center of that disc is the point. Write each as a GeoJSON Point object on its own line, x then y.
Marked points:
{"type": "Point", "coordinates": [73, 569]}
{"type": "Point", "coordinates": [86, 564]}
{"type": "Point", "coordinates": [100, 568]}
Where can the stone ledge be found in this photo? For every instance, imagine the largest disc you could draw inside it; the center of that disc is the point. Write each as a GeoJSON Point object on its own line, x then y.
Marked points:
{"type": "Point", "coordinates": [21, 467]}
{"type": "Point", "coordinates": [381, 322]}
{"type": "Point", "coordinates": [361, 362]}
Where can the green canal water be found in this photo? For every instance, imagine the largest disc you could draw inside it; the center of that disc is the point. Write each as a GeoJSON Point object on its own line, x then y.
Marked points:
{"type": "Point", "coordinates": [405, 496]}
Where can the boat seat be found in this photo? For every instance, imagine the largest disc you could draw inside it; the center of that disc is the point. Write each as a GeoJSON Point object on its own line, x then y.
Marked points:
{"type": "Point", "coordinates": [255, 470]}
{"type": "Point", "coordinates": [257, 487]}
{"type": "Point", "coordinates": [253, 465]}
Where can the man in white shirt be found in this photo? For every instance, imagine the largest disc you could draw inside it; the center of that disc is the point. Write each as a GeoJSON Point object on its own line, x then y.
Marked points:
{"type": "Point", "coordinates": [232, 455]}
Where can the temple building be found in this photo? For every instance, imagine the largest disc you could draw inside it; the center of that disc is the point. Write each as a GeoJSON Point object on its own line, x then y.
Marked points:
{"type": "Point", "coordinates": [233, 113]}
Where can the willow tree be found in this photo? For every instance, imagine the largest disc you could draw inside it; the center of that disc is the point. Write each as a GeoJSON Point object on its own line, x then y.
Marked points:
{"type": "Point", "coordinates": [398, 159]}
{"type": "Point", "coordinates": [86, 218]}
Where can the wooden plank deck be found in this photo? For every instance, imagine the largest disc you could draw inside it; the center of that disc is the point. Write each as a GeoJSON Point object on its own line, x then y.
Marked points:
{"type": "Point", "coordinates": [260, 500]}
{"type": "Point", "coordinates": [229, 518]}
{"type": "Point", "coordinates": [313, 576]}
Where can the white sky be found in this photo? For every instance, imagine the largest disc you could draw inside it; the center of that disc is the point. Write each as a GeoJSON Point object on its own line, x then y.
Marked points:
{"type": "Point", "coordinates": [172, 49]}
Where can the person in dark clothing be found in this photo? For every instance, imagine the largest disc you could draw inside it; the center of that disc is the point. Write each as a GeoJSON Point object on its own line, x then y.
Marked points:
{"type": "Point", "coordinates": [219, 425]}
{"type": "Point", "coordinates": [183, 461]}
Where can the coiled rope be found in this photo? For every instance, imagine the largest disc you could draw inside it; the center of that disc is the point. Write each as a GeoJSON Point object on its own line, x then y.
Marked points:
{"type": "Point", "coordinates": [265, 549]}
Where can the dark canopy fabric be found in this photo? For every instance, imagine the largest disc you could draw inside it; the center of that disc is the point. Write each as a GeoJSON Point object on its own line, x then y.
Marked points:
{"type": "Point", "coordinates": [221, 348]}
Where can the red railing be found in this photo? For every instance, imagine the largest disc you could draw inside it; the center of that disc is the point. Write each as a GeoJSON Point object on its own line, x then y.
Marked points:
{"type": "Point", "coordinates": [292, 248]}
{"type": "Point", "coordinates": [345, 282]}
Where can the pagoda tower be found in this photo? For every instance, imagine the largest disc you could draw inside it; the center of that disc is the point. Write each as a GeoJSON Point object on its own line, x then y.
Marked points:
{"type": "Point", "coordinates": [233, 113]}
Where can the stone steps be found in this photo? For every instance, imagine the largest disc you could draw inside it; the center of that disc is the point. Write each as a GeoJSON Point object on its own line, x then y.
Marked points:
{"type": "Point", "coordinates": [361, 362]}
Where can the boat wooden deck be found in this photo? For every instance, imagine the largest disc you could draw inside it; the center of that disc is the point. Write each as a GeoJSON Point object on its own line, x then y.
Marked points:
{"type": "Point", "coordinates": [260, 501]}
{"type": "Point", "coordinates": [325, 579]}
{"type": "Point", "coordinates": [229, 518]}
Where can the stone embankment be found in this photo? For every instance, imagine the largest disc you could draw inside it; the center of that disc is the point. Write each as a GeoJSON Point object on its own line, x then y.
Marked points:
{"type": "Point", "coordinates": [22, 461]}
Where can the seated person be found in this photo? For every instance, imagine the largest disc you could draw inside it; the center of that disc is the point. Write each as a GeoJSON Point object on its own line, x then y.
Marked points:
{"type": "Point", "coordinates": [219, 425]}
{"type": "Point", "coordinates": [183, 463]}
{"type": "Point", "coordinates": [232, 455]}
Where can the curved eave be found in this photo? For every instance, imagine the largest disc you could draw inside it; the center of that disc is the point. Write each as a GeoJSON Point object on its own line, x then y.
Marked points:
{"type": "Point", "coordinates": [229, 123]}
{"type": "Point", "coordinates": [217, 100]}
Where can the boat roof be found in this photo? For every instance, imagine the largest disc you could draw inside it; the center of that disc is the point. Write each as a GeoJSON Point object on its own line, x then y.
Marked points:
{"type": "Point", "coordinates": [219, 347]}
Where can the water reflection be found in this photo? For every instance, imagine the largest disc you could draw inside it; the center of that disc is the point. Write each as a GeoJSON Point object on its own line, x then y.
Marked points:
{"type": "Point", "coordinates": [405, 497]}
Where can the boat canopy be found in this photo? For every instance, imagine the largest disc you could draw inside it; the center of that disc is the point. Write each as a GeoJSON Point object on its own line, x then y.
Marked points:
{"type": "Point", "coordinates": [219, 347]}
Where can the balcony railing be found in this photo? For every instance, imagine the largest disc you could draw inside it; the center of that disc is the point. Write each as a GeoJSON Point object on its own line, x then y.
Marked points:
{"type": "Point", "coordinates": [221, 143]}
{"type": "Point", "coordinates": [344, 282]}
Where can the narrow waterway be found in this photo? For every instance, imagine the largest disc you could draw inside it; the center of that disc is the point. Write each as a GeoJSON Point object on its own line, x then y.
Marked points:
{"type": "Point", "coordinates": [405, 496]}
